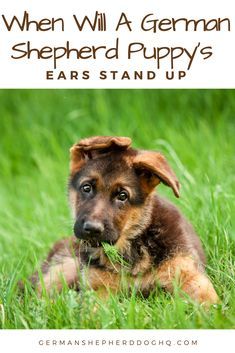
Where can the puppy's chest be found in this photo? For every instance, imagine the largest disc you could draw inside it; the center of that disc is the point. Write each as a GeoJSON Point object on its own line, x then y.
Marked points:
{"type": "Point", "coordinates": [140, 256]}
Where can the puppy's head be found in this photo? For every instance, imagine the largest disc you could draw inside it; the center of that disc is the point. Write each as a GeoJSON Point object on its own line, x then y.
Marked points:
{"type": "Point", "coordinates": [110, 188]}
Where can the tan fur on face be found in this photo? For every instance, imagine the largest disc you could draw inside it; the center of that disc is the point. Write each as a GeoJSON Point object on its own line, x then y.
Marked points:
{"type": "Point", "coordinates": [135, 221]}
{"type": "Point", "coordinates": [73, 201]}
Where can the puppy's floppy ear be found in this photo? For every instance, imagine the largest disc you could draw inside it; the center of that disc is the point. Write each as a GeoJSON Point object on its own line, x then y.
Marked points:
{"type": "Point", "coordinates": [153, 168]}
{"type": "Point", "coordinates": [77, 159]}
{"type": "Point", "coordinates": [104, 142]}
{"type": "Point", "coordinates": [93, 147]}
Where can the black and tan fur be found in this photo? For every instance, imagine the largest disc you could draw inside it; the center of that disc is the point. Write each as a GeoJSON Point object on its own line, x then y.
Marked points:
{"type": "Point", "coordinates": [111, 192]}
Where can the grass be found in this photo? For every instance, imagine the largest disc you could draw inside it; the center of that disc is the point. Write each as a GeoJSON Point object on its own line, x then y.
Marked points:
{"type": "Point", "coordinates": [195, 129]}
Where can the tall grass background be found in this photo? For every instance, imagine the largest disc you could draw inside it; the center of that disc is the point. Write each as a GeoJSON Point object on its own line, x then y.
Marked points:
{"type": "Point", "coordinates": [195, 129]}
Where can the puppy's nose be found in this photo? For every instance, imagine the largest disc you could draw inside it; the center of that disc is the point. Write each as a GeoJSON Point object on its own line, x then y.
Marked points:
{"type": "Point", "coordinates": [94, 228]}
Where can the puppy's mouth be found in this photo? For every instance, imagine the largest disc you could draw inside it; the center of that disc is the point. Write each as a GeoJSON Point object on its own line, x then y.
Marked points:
{"type": "Point", "coordinates": [92, 243]}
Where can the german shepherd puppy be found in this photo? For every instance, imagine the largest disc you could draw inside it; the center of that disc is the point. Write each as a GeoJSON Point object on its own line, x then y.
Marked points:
{"type": "Point", "coordinates": [112, 196]}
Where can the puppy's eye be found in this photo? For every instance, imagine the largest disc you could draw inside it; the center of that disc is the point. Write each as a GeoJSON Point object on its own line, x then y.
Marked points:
{"type": "Point", "coordinates": [87, 188]}
{"type": "Point", "coordinates": [122, 196]}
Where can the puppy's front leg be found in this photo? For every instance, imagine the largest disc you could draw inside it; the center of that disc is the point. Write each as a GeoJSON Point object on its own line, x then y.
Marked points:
{"type": "Point", "coordinates": [61, 266]}
{"type": "Point", "coordinates": [65, 271]}
{"type": "Point", "coordinates": [191, 279]}
{"type": "Point", "coordinates": [102, 281]}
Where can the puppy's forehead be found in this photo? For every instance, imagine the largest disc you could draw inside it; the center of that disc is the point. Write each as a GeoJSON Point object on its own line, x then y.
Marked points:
{"type": "Point", "coordinates": [111, 168]}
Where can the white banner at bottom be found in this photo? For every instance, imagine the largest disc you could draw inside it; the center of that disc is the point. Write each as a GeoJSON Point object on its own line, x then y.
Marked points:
{"type": "Point", "coordinates": [87, 341]}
